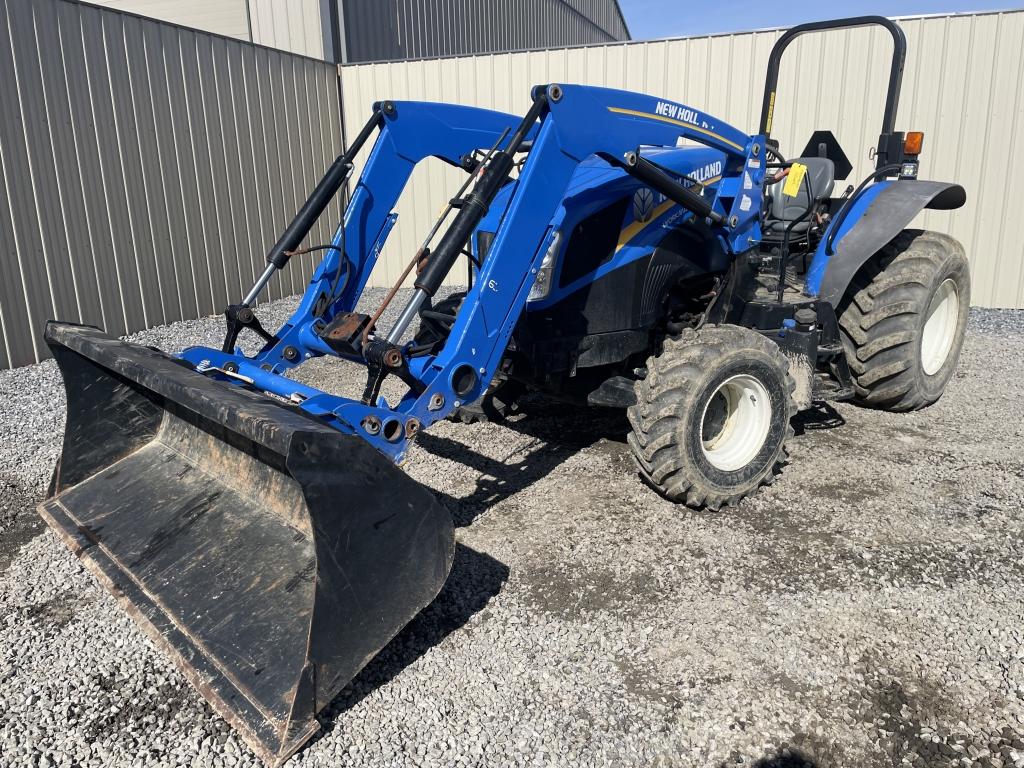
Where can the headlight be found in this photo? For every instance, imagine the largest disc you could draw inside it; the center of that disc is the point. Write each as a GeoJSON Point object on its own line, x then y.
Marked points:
{"type": "Point", "coordinates": [542, 285]}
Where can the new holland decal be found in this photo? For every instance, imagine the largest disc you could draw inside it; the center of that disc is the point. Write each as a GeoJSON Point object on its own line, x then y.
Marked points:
{"type": "Point", "coordinates": [649, 205]}
{"type": "Point", "coordinates": [677, 114]}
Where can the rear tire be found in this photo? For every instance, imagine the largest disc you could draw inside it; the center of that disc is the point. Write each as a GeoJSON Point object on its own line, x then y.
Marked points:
{"type": "Point", "coordinates": [903, 321]}
{"type": "Point", "coordinates": [712, 416]}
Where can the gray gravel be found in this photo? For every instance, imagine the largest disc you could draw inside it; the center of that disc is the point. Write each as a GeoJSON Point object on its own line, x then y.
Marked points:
{"type": "Point", "coordinates": [866, 610]}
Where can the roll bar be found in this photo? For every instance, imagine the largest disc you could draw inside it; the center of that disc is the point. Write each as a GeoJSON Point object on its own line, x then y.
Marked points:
{"type": "Point", "coordinates": [892, 98]}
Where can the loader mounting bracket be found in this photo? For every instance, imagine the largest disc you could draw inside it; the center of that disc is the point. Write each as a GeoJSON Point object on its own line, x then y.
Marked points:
{"type": "Point", "coordinates": [238, 317]}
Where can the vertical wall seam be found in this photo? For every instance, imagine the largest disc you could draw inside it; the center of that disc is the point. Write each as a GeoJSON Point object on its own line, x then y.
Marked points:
{"type": "Point", "coordinates": [963, 114]}
{"type": "Point", "coordinates": [208, 247]}
{"type": "Point", "coordinates": [175, 139]}
{"type": "Point", "coordinates": [248, 272]}
{"type": "Point", "coordinates": [18, 89]}
{"type": "Point", "coordinates": [20, 258]}
{"type": "Point", "coordinates": [153, 254]}
{"type": "Point", "coordinates": [985, 144]}
{"type": "Point", "coordinates": [103, 180]}
{"type": "Point", "coordinates": [160, 165]}
{"type": "Point", "coordinates": [231, 223]}
{"type": "Point", "coordinates": [124, 175]}
{"type": "Point", "coordinates": [61, 195]}
{"type": "Point", "coordinates": [1009, 177]}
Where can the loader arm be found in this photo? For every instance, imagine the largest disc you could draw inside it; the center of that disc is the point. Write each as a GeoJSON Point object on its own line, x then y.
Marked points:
{"type": "Point", "coordinates": [269, 548]}
{"type": "Point", "coordinates": [567, 124]}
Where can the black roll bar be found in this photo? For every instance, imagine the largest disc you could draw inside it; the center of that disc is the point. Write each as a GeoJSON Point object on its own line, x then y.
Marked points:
{"type": "Point", "coordinates": [892, 98]}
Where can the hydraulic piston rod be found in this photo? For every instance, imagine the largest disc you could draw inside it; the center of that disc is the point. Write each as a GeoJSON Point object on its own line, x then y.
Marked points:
{"type": "Point", "coordinates": [316, 203]}
{"type": "Point", "coordinates": [473, 208]}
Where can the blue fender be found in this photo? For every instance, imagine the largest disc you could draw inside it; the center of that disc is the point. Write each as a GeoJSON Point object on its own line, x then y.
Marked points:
{"type": "Point", "coordinates": [880, 213]}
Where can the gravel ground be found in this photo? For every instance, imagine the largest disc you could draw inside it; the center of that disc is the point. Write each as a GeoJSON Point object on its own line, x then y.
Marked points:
{"type": "Point", "coordinates": [866, 610]}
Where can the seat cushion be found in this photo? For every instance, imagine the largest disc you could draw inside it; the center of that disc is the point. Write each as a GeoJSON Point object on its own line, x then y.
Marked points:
{"type": "Point", "coordinates": [817, 185]}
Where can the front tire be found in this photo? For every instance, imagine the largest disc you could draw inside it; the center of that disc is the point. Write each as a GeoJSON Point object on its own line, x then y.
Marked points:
{"type": "Point", "coordinates": [904, 319]}
{"type": "Point", "coordinates": [712, 416]}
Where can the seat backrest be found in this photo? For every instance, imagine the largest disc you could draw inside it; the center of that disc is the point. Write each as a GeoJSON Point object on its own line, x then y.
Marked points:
{"type": "Point", "coordinates": [818, 181]}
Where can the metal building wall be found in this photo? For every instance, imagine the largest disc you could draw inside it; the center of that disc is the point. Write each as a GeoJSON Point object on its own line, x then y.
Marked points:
{"type": "Point", "coordinates": [377, 30]}
{"type": "Point", "coordinates": [147, 168]}
{"type": "Point", "coordinates": [223, 17]}
{"type": "Point", "coordinates": [292, 25]}
{"type": "Point", "coordinates": [963, 86]}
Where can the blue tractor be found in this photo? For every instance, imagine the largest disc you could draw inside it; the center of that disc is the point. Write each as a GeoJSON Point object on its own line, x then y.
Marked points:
{"type": "Point", "coordinates": [623, 250]}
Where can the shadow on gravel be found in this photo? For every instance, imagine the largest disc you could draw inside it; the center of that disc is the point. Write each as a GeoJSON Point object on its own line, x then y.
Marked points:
{"type": "Point", "coordinates": [474, 579]}
{"type": "Point", "coordinates": [19, 520]}
{"type": "Point", "coordinates": [818, 417]}
{"type": "Point", "coordinates": [559, 431]}
{"type": "Point", "coordinates": [498, 480]}
{"type": "Point", "coordinates": [790, 758]}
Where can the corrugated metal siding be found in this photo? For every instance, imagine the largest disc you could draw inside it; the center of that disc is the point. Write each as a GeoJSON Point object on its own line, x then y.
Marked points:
{"type": "Point", "coordinates": [378, 30]}
{"type": "Point", "coordinates": [295, 25]}
{"type": "Point", "coordinates": [146, 168]}
{"type": "Point", "coordinates": [223, 17]}
{"type": "Point", "coordinates": [963, 86]}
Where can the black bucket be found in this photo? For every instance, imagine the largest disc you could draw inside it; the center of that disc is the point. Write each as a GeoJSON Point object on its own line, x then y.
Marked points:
{"type": "Point", "coordinates": [269, 555]}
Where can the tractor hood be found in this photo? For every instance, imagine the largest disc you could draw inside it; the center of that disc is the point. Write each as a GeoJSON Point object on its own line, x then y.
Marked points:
{"type": "Point", "coordinates": [595, 183]}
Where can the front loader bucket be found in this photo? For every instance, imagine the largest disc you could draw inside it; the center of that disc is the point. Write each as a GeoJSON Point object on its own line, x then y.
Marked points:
{"type": "Point", "coordinates": [269, 555]}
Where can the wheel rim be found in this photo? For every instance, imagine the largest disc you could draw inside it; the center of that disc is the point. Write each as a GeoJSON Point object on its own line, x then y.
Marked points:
{"type": "Point", "coordinates": [940, 327]}
{"type": "Point", "coordinates": [735, 422]}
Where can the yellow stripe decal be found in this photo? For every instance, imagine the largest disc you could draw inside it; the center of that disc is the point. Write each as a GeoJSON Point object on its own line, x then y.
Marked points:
{"type": "Point", "coordinates": [672, 121]}
{"type": "Point", "coordinates": [637, 227]}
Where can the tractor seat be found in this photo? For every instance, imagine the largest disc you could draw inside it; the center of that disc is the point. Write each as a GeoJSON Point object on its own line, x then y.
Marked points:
{"type": "Point", "coordinates": [818, 181]}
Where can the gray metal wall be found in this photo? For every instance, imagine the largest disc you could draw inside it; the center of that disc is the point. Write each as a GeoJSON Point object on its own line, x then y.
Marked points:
{"type": "Point", "coordinates": [147, 168]}
{"type": "Point", "coordinates": [378, 30]}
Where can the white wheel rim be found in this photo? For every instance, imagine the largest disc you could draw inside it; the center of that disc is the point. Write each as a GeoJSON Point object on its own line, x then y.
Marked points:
{"type": "Point", "coordinates": [940, 327]}
{"type": "Point", "coordinates": [735, 422]}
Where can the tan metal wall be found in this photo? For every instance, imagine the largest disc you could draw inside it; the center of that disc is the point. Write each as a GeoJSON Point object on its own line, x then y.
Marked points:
{"type": "Point", "coordinates": [223, 17]}
{"type": "Point", "coordinates": [291, 25]}
{"type": "Point", "coordinates": [963, 86]}
{"type": "Point", "coordinates": [146, 169]}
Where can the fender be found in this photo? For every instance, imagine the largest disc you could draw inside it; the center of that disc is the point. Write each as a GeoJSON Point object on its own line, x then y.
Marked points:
{"type": "Point", "coordinates": [880, 213]}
